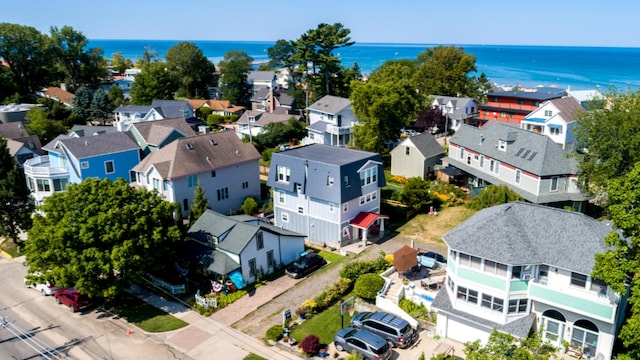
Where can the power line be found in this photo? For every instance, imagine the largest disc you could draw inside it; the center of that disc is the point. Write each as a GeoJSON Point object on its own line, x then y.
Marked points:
{"type": "Point", "coordinates": [31, 341]}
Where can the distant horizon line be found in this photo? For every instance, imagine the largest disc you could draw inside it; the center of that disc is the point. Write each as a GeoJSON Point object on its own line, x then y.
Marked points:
{"type": "Point", "coordinates": [387, 43]}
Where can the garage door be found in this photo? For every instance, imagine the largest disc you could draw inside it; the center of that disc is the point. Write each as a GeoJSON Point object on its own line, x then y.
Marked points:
{"type": "Point", "coordinates": [463, 331]}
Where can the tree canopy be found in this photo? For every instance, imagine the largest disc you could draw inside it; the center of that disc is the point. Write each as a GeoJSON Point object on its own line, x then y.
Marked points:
{"type": "Point", "coordinates": [153, 83]}
{"type": "Point", "coordinates": [191, 70]}
{"type": "Point", "coordinates": [17, 204]}
{"type": "Point", "coordinates": [234, 83]}
{"type": "Point", "coordinates": [39, 124]}
{"type": "Point", "coordinates": [97, 232]}
{"type": "Point", "coordinates": [447, 71]}
{"type": "Point", "coordinates": [503, 346]}
{"type": "Point", "coordinates": [385, 103]}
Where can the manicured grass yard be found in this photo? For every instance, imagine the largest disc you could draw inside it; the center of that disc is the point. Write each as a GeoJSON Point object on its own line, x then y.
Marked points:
{"type": "Point", "coordinates": [144, 316]}
{"type": "Point", "coordinates": [323, 325]}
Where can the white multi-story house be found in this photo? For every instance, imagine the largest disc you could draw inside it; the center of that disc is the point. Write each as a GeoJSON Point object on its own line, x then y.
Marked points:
{"type": "Point", "coordinates": [530, 164]}
{"type": "Point", "coordinates": [329, 194]}
{"type": "Point", "coordinates": [225, 167]}
{"type": "Point", "coordinates": [331, 122]}
{"type": "Point", "coordinates": [158, 110]}
{"type": "Point", "coordinates": [519, 267]}
{"type": "Point", "coordinates": [457, 110]}
{"type": "Point", "coordinates": [555, 118]}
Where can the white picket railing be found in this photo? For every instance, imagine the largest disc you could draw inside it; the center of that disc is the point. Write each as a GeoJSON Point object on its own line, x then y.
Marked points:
{"type": "Point", "coordinates": [206, 302]}
{"type": "Point", "coordinates": [173, 289]}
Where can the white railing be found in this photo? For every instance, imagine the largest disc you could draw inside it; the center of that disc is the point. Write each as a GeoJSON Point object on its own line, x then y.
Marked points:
{"type": "Point", "coordinates": [173, 289]}
{"type": "Point", "coordinates": [206, 302]}
{"type": "Point", "coordinates": [41, 166]}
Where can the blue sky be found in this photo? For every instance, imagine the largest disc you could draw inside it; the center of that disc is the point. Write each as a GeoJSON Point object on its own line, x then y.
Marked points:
{"type": "Point", "coordinates": [504, 22]}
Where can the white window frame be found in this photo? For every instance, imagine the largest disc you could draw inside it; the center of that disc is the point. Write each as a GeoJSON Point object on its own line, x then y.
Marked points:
{"type": "Point", "coordinates": [84, 164]}
{"type": "Point", "coordinates": [106, 167]}
{"type": "Point", "coordinates": [284, 217]}
{"type": "Point", "coordinates": [281, 197]}
{"type": "Point", "coordinates": [554, 184]}
{"type": "Point", "coordinates": [283, 173]}
{"type": "Point", "coordinates": [518, 176]}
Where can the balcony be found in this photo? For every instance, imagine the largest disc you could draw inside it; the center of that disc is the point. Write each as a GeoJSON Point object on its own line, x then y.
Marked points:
{"type": "Point", "coordinates": [40, 166]}
{"type": "Point", "coordinates": [339, 130]}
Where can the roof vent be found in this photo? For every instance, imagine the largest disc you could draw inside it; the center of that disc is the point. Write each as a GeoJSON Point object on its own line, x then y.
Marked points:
{"type": "Point", "coordinates": [214, 142]}
{"type": "Point", "coordinates": [237, 152]}
{"type": "Point", "coordinates": [86, 143]}
{"type": "Point", "coordinates": [189, 146]}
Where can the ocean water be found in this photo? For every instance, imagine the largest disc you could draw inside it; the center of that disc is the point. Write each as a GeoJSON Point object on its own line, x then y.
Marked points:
{"type": "Point", "coordinates": [529, 66]}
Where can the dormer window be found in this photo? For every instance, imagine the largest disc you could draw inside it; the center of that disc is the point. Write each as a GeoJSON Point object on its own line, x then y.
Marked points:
{"type": "Point", "coordinates": [252, 119]}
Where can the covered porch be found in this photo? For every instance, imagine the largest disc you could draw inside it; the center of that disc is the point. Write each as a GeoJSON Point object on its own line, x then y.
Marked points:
{"type": "Point", "coordinates": [366, 226]}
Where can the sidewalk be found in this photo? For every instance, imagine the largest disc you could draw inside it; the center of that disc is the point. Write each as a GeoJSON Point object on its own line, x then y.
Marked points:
{"type": "Point", "coordinates": [205, 338]}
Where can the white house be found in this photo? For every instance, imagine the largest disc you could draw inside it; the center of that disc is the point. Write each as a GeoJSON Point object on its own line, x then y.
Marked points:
{"type": "Point", "coordinates": [457, 110]}
{"type": "Point", "coordinates": [243, 244]}
{"type": "Point", "coordinates": [125, 115]}
{"type": "Point", "coordinates": [519, 266]}
{"type": "Point", "coordinates": [225, 167]}
{"type": "Point", "coordinates": [556, 119]}
{"type": "Point", "coordinates": [331, 122]}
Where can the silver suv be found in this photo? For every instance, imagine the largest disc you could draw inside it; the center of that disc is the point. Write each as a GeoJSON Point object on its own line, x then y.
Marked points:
{"type": "Point", "coordinates": [365, 343]}
{"type": "Point", "coordinates": [395, 330]}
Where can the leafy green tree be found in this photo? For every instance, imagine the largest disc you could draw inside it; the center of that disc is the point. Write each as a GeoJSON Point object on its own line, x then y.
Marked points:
{"type": "Point", "coordinates": [120, 63]}
{"type": "Point", "coordinates": [493, 195]}
{"type": "Point", "coordinates": [281, 54]}
{"type": "Point", "coordinates": [447, 70]}
{"type": "Point", "coordinates": [28, 55]}
{"type": "Point", "coordinates": [37, 123]}
{"type": "Point", "coordinates": [505, 346]}
{"type": "Point", "coordinates": [94, 68]}
{"type": "Point", "coordinates": [8, 89]}
{"type": "Point", "coordinates": [385, 104]}
{"type": "Point", "coordinates": [329, 38]}
{"type": "Point", "coordinates": [148, 56]}
{"type": "Point", "coordinates": [97, 233]}
{"type": "Point", "coordinates": [153, 83]}
{"type": "Point", "coordinates": [191, 70]}
{"type": "Point", "coordinates": [116, 96]}
{"type": "Point", "coordinates": [416, 194]}
{"type": "Point", "coordinates": [101, 107]}
{"type": "Point", "coordinates": [82, 103]}
{"type": "Point", "coordinates": [17, 204]}
{"type": "Point", "coordinates": [276, 133]}
{"type": "Point", "coordinates": [620, 266]}
{"type": "Point", "coordinates": [200, 204]}
{"type": "Point", "coordinates": [607, 140]}
{"type": "Point", "coordinates": [250, 206]}
{"type": "Point", "coordinates": [234, 83]}
{"type": "Point", "coordinates": [69, 46]}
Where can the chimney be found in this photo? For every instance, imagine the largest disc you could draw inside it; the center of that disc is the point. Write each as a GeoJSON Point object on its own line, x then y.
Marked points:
{"type": "Point", "coordinates": [273, 101]}
{"type": "Point", "coordinates": [63, 86]}
{"type": "Point", "coordinates": [203, 129]}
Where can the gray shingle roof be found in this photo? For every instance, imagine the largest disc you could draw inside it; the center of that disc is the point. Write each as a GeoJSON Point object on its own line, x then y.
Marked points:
{"type": "Point", "coordinates": [330, 104]}
{"type": "Point", "coordinates": [520, 233]}
{"type": "Point", "coordinates": [171, 108]}
{"type": "Point", "coordinates": [327, 154]}
{"type": "Point", "coordinates": [197, 154]}
{"type": "Point", "coordinates": [540, 95]}
{"type": "Point", "coordinates": [264, 118]}
{"type": "Point", "coordinates": [90, 130]}
{"type": "Point", "coordinates": [261, 75]}
{"type": "Point", "coordinates": [156, 131]}
{"type": "Point", "coordinates": [457, 102]}
{"type": "Point", "coordinates": [427, 145]}
{"type": "Point", "coordinates": [539, 155]}
{"type": "Point", "coordinates": [89, 146]}
{"type": "Point", "coordinates": [519, 327]}
{"type": "Point", "coordinates": [569, 107]}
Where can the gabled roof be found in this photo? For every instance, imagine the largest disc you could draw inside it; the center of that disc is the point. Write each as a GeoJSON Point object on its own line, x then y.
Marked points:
{"type": "Point", "coordinates": [327, 154]}
{"type": "Point", "coordinates": [90, 130]}
{"type": "Point", "coordinates": [520, 233]}
{"type": "Point", "coordinates": [568, 106]}
{"type": "Point", "coordinates": [90, 146]}
{"type": "Point", "coordinates": [143, 109]}
{"type": "Point", "coordinates": [261, 76]}
{"type": "Point", "coordinates": [171, 108]}
{"type": "Point", "coordinates": [215, 104]}
{"type": "Point", "coordinates": [526, 150]}
{"type": "Point", "coordinates": [264, 118]}
{"type": "Point", "coordinates": [197, 154]}
{"type": "Point", "coordinates": [330, 104]}
{"type": "Point", "coordinates": [57, 93]}
{"type": "Point", "coordinates": [284, 98]}
{"type": "Point", "coordinates": [426, 144]}
{"type": "Point", "coordinates": [457, 103]}
{"type": "Point", "coordinates": [154, 132]}
{"type": "Point", "coordinates": [13, 130]}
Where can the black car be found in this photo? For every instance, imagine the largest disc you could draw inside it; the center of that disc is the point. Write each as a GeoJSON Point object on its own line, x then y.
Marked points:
{"type": "Point", "coordinates": [306, 264]}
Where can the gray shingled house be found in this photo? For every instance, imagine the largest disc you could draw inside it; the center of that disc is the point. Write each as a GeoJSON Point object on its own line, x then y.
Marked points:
{"type": "Point", "coordinates": [330, 194]}
{"type": "Point", "coordinates": [416, 156]}
{"type": "Point", "coordinates": [530, 164]}
{"type": "Point", "coordinates": [519, 267]}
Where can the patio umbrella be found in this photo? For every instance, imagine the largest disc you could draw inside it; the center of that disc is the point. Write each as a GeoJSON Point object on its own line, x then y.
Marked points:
{"type": "Point", "coordinates": [405, 258]}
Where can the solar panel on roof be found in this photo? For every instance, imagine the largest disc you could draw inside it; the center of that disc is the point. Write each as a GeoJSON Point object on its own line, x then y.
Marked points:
{"type": "Point", "coordinates": [519, 151]}
{"type": "Point", "coordinates": [525, 154]}
{"type": "Point", "coordinates": [532, 155]}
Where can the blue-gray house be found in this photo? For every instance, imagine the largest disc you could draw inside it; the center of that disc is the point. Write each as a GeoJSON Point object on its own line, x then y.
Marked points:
{"type": "Point", "coordinates": [329, 194]}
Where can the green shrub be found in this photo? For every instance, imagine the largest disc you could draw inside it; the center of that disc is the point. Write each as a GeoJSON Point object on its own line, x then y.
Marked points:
{"type": "Point", "coordinates": [354, 270]}
{"type": "Point", "coordinates": [274, 333]}
{"type": "Point", "coordinates": [250, 206]}
{"type": "Point", "coordinates": [493, 195]}
{"type": "Point", "coordinates": [368, 285]}
{"type": "Point", "coordinates": [413, 309]}
{"type": "Point", "coordinates": [333, 293]}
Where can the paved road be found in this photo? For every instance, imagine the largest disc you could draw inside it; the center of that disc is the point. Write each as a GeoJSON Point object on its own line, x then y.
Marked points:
{"type": "Point", "coordinates": [88, 335]}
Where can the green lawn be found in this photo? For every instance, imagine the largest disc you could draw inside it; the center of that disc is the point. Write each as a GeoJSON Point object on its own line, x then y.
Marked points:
{"type": "Point", "coordinates": [253, 357]}
{"type": "Point", "coordinates": [323, 325]}
{"type": "Point", "coordinates": [143, 315]}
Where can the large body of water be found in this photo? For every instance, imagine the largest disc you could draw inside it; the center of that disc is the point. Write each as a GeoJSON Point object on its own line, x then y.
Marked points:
{"type": "Point", "coordinates": [528, 66]}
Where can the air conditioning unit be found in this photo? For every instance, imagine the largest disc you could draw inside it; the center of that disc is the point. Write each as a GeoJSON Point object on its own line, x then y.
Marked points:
{"type": "Point", "coordinates": [526, 276]}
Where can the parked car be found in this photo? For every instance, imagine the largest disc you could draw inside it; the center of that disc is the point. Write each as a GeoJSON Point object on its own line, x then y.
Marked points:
{"type": "Point", "coordinates": [44, 287]}
{"type": "Point", "coordinates": [71, 298]}
{"type": "Point", "coordinates": [393, 329]}
{"type": "Point", "coordinates": [305, 265]}
{"type": "Point", "coordinates": [367, 344]}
